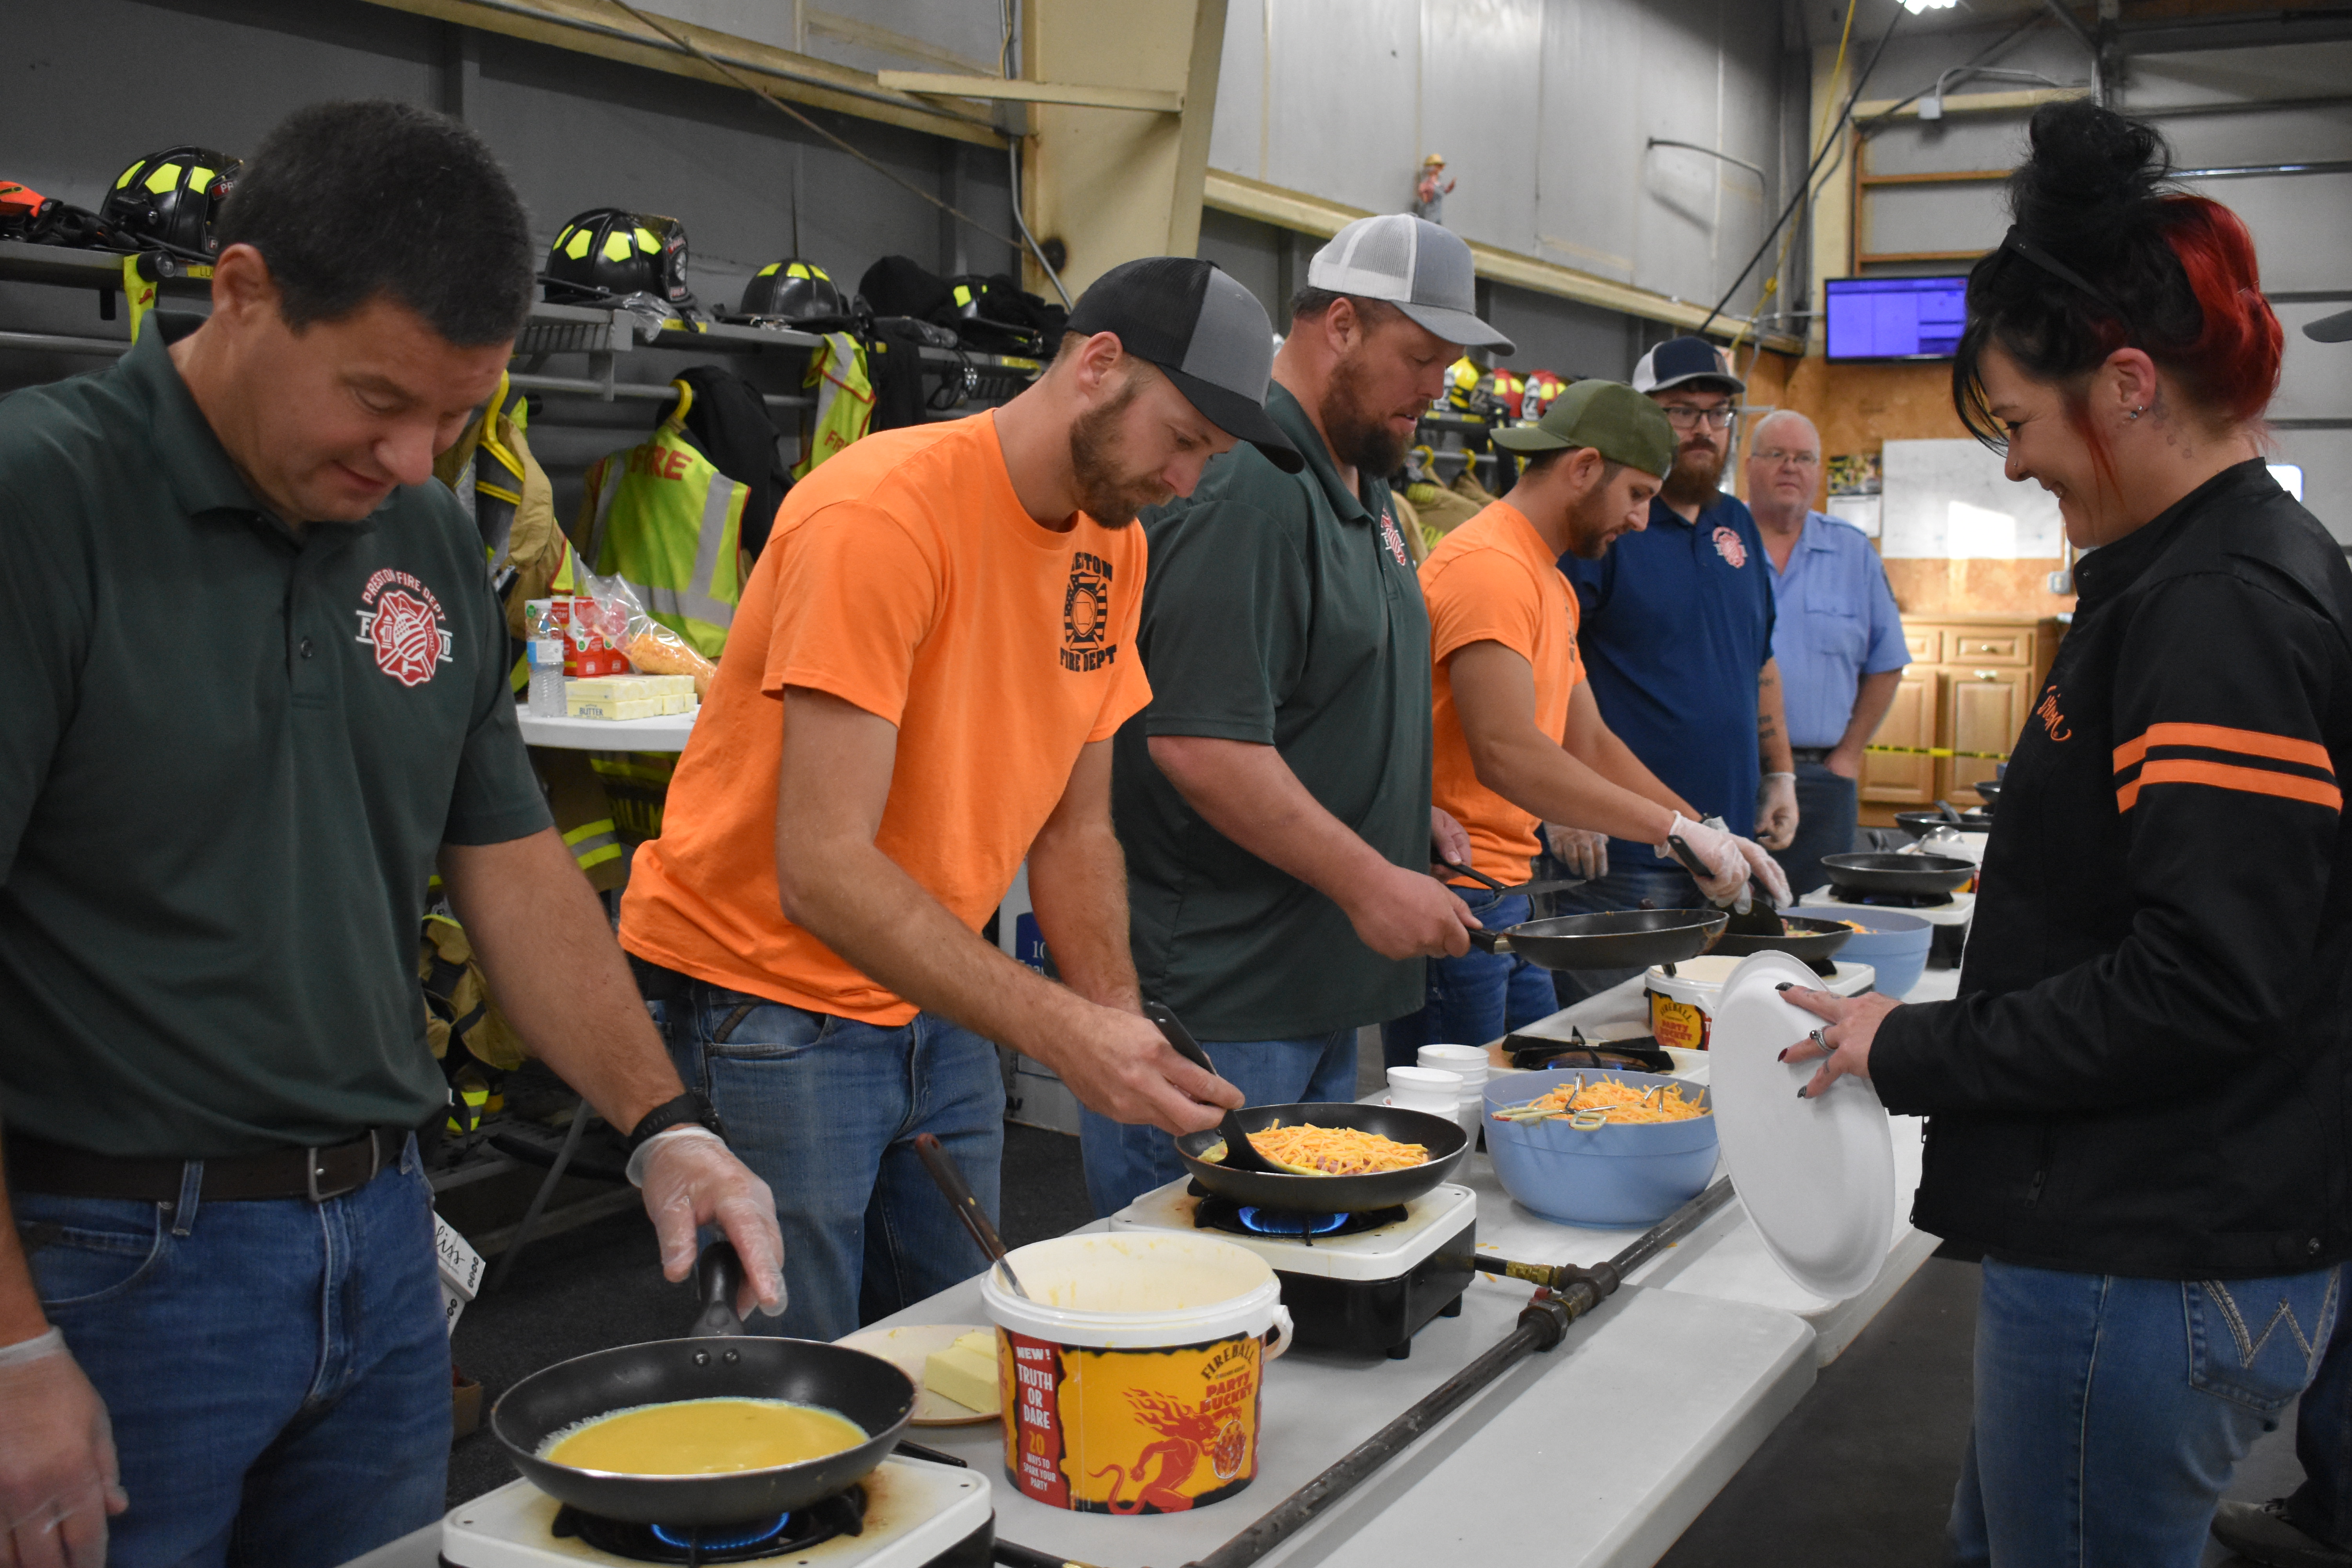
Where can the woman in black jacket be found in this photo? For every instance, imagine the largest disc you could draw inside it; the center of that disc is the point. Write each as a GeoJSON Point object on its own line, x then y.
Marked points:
{"type": "Point", "coordinates": [2137, 1100]}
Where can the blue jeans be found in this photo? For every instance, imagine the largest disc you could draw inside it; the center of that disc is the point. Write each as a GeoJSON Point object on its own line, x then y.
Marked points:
{"type": "Point", "coordinates": [1827, 814]}
{"type": "Point", "coordinates": [2322, 1506]}
{"type": "Point", "coordinates": [1477, 997]}
{"type": "Point", "coordinates": [277, 1372]}
{"type": "Point", "coordinates": [1665, 888]}
{"type": "Point", "coordinates": [1123, 1161]}
{"type": "Point", "coordinates": [826, 1111]}
{"type": "Point", "coordinates": [2110, 1412]}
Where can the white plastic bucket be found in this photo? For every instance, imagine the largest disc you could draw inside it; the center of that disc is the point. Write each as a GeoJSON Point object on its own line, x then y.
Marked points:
{"type": "Point", "coordinates": [1132, 1378]}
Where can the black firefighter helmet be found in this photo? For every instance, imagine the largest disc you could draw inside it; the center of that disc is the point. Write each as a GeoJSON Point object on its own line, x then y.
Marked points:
{"type": "Point", "coordinates": [606, 253]}
{"type": "Point", "coordinates": [797, 291]}
{"type": "Point", "coordinates": [169, 200]}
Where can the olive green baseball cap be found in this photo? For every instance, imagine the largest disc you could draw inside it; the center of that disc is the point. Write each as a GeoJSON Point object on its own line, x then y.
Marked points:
{"type": "Point", "coordinates": [1608, 417]}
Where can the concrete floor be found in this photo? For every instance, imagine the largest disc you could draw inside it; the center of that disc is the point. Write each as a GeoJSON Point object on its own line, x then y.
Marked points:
{"type": "Point", "coordinates": [1858, 1476]}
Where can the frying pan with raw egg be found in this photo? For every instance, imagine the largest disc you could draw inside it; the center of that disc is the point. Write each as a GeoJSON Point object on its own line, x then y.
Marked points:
{"type": "Point", "coordinates": [722, 1362]}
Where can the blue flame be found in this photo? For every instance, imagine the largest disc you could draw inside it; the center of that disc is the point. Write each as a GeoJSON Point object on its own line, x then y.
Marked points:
{"type": "Point", "coordinates": [703, 1538]}
{"type": "Point", "coordinates": [1282, 1222]}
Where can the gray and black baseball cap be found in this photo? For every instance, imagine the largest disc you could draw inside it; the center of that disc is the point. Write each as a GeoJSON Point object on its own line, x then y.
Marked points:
{"type": "Point", "coordinates": [1204, 332]}
{"type": "Point", "coordinates": [1422, 269]}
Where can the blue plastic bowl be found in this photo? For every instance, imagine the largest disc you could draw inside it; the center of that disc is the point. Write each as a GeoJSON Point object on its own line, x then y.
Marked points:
{"type": "Point", "coordinates": [1631, 1176]}
{"type": "Point", "coordinates": [1891, 942]}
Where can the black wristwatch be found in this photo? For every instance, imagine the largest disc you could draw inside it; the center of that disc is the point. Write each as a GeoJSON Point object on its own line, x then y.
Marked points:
{"type": "Point", "coordinates": [689, 1107]}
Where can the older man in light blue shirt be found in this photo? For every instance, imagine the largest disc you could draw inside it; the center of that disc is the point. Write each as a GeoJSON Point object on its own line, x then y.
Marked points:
{"type": "Point", "coordinates": [1836, 634]}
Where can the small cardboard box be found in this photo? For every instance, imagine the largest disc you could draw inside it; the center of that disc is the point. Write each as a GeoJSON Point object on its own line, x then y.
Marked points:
{"type": "Point", "coordinates": [461, 1270]}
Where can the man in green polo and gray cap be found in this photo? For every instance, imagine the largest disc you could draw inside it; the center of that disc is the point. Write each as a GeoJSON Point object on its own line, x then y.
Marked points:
{"type": "Point", "coordinates": [1518, 739]}
{"type": "Point", "coordinates": [1273, 798]}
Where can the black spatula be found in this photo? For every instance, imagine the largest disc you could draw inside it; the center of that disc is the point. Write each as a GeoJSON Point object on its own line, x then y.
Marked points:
{"type": "Point", "coordinates": [1752, 915]}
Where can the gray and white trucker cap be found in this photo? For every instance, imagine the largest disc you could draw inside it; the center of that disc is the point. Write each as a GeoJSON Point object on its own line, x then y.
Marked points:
{"type": "Point", "coordinates": [1204, 332]}
{"type": "Point", "coordinates": [1421, 268]}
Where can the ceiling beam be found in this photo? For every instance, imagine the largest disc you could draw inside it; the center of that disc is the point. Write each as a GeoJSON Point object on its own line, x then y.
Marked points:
{"type": "Point", "coordinates": [1015, 90]}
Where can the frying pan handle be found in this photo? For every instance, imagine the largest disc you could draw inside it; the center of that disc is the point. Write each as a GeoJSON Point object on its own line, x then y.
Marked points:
{"type": "Point", "coordinates": [1490, 941]}
{"type": "Point", "coordinates": [717, 1278]}
{"type": "Point", "coordinates": [1179, 1036]}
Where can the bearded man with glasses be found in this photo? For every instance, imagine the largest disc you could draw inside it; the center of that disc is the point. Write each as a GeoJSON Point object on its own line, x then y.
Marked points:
{"type": "Point", "coordinates": [1836, 636]}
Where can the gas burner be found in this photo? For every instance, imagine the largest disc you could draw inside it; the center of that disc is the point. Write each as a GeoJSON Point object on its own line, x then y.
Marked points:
{"type": "Point", "coordinates": [1286, 1224]}
{"type": "Point", "coordinates": [843, 1513]}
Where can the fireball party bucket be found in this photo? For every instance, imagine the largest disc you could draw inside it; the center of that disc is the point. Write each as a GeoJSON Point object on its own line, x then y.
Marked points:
{"type": "Point", "coordinates": [1131, 1380]}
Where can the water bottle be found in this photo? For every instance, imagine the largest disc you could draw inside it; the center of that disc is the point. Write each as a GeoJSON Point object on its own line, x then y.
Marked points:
{"type": "Point", "coordinates": [546, 651]}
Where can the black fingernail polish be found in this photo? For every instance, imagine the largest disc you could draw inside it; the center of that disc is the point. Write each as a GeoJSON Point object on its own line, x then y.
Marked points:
{"type": "Point", "coordinates": [1784, 986]}
{"type": "Point", "coordinates": [1800, 1091]}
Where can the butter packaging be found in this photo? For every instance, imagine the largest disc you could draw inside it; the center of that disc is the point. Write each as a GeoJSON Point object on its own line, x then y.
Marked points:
{"type": "Point", "coordinates": [629, 687]}
{"type": "Point", "coordinates": [604, 708]}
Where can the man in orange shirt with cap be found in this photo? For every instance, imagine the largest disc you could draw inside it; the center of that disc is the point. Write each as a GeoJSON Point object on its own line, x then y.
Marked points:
{"type": "Point", "coordinates": [921, 689]}
{"type": "Point", "coordinates": [1519, 740]}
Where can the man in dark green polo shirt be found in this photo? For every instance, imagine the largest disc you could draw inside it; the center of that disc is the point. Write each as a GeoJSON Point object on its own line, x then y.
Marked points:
{"type": "Point", "coordinates": [1274, 799]}
{"type": "Point", "coordinates": [256, 690]}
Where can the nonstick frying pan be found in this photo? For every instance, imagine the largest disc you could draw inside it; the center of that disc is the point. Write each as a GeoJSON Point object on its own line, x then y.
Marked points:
{"type": "Point", "coordinates": [1620, 939]}
{"type": "Point", "coordinates": [1919, 824]}
{"type": "Point", "coordinates": [722, 1363]}
{"type": "Point", "coordinates": [1442, 1136]}
{"type": "Point", "coordinates": [1806, 938]}
{"type": "Point", "coordinates": [1882, 873]}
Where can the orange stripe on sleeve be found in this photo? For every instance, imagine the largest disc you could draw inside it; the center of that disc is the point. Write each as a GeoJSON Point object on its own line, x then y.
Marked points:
{"type": "Point", "coordinates": [2221, 775]}
{"type": "Point", "coordinates": [2218, 738]}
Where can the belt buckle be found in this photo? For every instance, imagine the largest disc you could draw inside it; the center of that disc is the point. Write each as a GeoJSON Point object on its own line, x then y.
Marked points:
{"type": "Point", "coordinates": [310, 1172]}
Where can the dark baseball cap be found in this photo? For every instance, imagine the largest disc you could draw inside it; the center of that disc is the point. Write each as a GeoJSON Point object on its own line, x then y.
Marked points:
{"type": "Point", "coordinates": [1686, 362]}
{"type": "Point", "coordinates": [1204, 332]}
{"type": "Point", "coordinates": [1608, 417]}
{"type": "Point", "coordinates": [2334, 329]}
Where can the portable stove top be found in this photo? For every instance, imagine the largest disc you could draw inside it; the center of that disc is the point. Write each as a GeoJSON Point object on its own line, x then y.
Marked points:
{"type": "Point", "coordinates": [914, 1514]}
{"type": "Point", "coordinates": [1359, 1283]}
{"type": "Point", "coordinates": [1379, 1245]}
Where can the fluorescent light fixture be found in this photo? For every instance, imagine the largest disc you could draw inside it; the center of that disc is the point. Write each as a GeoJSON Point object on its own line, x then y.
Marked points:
{"type": "Point", "coordinates": [2289, 477]}
{"type": "Point", "coordinates": [1919, 7]}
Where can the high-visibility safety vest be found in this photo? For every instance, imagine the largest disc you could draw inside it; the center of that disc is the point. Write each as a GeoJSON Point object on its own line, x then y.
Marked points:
{"type": "Point", "coordinates": [664, 519]}
{"type": "Point", "coordinates": [845, 399]}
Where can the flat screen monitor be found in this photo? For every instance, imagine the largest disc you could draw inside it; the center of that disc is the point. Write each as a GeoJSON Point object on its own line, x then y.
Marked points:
{"type": "Point", "coordinates": [1896, 318]}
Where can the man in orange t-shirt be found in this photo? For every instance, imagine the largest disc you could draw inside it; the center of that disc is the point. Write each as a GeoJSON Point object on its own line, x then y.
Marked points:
{"type": "Point", "coordinates": [922, 683]}
{"type": "Point", "coordinates": [1519, 740]}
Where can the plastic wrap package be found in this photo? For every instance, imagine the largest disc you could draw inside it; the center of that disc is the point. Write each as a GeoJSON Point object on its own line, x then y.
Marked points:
{"type": "Point", "coordinates": [652, 648]}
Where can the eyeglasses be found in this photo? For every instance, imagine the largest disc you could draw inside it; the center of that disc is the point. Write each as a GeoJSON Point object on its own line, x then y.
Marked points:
{"type": "Point", "coordinates": [1682, 417]}
{"type": "Point", "coordinates": [1772, 456]}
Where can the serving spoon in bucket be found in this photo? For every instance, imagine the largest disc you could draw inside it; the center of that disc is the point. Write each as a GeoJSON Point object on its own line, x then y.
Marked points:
{"type": "Point", "coordinates": [1240, 1154]}
{"type": "Point", "coordinates": [966, 1204]}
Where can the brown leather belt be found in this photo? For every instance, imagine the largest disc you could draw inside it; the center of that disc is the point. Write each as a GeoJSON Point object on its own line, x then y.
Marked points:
{"type": "Point", "coordinates": [37, 1166]}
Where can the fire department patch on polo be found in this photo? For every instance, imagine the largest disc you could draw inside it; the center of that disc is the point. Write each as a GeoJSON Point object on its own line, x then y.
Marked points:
{"type": "Point", "coordinates": [1394, 539]}
{"type": "Point", "coordinates": [1728, 545]}
{"type": "Point", "coordinates": [401, 619]}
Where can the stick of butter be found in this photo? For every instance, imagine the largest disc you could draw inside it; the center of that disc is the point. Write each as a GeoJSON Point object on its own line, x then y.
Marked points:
{"type": "Point", "coordinates": [965, 1371]}
{"type": "Point", "coordinates": [599, 708]}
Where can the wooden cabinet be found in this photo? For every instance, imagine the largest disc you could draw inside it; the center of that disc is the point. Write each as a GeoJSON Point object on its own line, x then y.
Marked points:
{"type": "Point", "coordinates": [1970, 685]}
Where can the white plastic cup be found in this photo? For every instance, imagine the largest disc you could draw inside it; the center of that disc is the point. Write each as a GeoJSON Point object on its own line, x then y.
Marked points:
{"type": "Point", "coordinates": [1425, 1088]}
{"type": "Point", "coordinates": [1471, 1061]}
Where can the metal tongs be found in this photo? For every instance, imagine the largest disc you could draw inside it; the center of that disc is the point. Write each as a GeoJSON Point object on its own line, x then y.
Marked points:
{"type": "Point", "coordinates": [1588, 1119]}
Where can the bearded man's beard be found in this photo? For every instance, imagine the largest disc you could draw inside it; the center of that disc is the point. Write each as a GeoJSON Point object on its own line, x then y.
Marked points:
{"type": "Point", "coordinates": [1107, 491]}
{"type": "Point", "coordinates": [1696, 473]}
{"type": "Point", "coordinates": [1358, 436]}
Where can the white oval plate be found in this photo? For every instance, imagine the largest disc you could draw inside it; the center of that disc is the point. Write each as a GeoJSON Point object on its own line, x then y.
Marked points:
{"type": "Point", "coordinates": [1817, 1176]}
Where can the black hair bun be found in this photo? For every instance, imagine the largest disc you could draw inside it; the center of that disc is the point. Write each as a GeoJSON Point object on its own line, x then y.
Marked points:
{"type": "Point", "coordinates": [2090, 187]}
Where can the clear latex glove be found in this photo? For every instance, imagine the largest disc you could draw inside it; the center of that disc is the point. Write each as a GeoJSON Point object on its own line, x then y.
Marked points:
{"type": "Point", "coordinates": [690, 1179]}
{"type": "Point", "coordinates": [1769, 875]}
{"type": "Point", "coordinates": [1717, 851]}
{"type": "Point", "coordinates": [1776, 811]}
{"type": "Point", "coordinates": [58, 1480]}
{"type": "Point", "coordinates": [1584, 853]}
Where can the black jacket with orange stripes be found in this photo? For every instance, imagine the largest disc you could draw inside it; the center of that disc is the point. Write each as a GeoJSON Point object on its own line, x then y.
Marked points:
{"type": "Point", "coordinates": [2145, 1070]}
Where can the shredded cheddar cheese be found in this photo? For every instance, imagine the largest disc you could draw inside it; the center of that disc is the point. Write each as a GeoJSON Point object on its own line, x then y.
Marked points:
{"type": "Point", "coordinates": [1333, 1151]}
